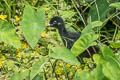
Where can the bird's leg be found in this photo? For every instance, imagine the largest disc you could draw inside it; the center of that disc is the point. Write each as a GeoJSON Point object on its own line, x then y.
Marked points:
{"type": "Point", "coordinates": [94, 49]}
{"type": "Point", "coordinates": [88, 52]}
{"type": "Point", "coordinates": [78, 57]}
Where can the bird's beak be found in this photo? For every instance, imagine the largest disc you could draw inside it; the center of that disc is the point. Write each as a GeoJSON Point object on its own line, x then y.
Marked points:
{"type": "Point", "coordinates": [49, 25]}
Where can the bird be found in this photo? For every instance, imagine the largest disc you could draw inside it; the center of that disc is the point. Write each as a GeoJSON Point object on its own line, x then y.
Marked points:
{"type": "Point", "coordinates": [68, 38]}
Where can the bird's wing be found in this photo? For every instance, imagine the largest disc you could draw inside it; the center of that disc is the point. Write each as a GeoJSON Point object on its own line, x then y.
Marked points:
{"type": "Point", "coordinates": [73, 35]}
{"type": "Point", "coordinates": [70, 38]}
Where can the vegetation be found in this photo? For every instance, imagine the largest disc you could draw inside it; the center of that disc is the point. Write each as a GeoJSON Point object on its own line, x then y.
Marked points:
{"type": "Point", "coordinates": [29, 51]}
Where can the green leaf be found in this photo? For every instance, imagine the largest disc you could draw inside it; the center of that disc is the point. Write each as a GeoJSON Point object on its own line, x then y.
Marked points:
{"type": "Point", "coordinates": [69, 27]}
{"type": "Point", "coordinates": [107, 52]}
{"type": "Point", "coordinates": [111, 67]}
{"type": "Point", "coordinates": [1, 9]}
{"type": "Point", "coordinates": [99, 10]}
{"type": "Point", "coordinates": [33, 24]}
{"type": "Point", "coordinates": [81, 75]}
{"type": "Point", "coordinates": [67, 14]}
{"type": "Point", "coordinates": [96, 74]}
{"type": "Point", "coordinates": [111, 70]}
{"type": "Point", "coordinates": [8, 34]}
{"type": "Point", "coordinates": [115, 44]}
{"type": "Point", "coordinates": [116, 5]}
{"type": "Point", "coordinates": [109, 55]}
{"type": "Point", "coordinates": [37, 67]}
{"type": "Point", "coordinates": [65, 55]}
{"type": "Point", "coordinates": [39, 77]}
{"type": "Point", "coordinates": [83, 43]}
{"type": "Point", "coordinates": [91, 26]}
{"type": "Point", "coordinates": [98, 59]}
{"type": "Point", "coordinates": [20, 76]}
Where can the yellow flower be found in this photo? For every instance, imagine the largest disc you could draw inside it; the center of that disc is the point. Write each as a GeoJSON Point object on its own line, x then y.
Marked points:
{"type": "Point", "coordinates": [59, 71]}
{"type": "Point", "coordinates": [1, 63]}
{"type": "Point", "coordinates": [75, 67]}
{"type": "Point", "coordinates": [45, 9]}
{"type": "Point", "coordinates": [89, 59]}
{"type": "Point", "coordinates": [24, 45]}
{"type": "Point", "coordinates": [17, 18]}
{"type": "Point", "coordinates": [116, 38]}
{"type": "Point", "coordinates": [61, 64]}
{"type": "Point", "coordinates": [2, 17]}
{"type": "Point", "coordinates": [19, 55]}
{"type": "Point", "coordinates": [2, 59]}
{"type": "Point", "coordinates": [68, 65]}
{"type": "Point", "coordinates": [43, 34]}
{"type": "Point", "coordinates": [18, 49]}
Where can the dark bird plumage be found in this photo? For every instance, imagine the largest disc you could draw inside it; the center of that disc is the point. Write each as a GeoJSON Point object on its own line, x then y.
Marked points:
{"type": "Point", "coordinates": [68, 38]}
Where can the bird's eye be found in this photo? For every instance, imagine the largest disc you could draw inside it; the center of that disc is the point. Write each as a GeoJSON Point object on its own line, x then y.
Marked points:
{"type": "Point", "coordinates": [59, 23]}
{"type": "Point", "coordinates": [54, 22]}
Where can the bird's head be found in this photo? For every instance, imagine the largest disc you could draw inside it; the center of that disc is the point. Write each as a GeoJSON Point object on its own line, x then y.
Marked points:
{"type": "Point", "coordinates": [56, 22]}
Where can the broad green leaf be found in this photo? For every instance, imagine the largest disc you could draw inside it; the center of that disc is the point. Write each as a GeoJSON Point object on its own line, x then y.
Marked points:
{"type": "Point", "coordinates": [97, 74]}
{"type": "Point", "coordinates": [91, 26]}
{"type": "Point", "coordinates": [98, 59]}
{"type": "Point", "coordinates": [109, 55]}
{"type": "Point", "coordinates": [99, 10]}
{"type": "Point", "coordinates": [20, 76]}
{"type": "Point", "coordinates": [116, 5]}
{"type": "Point", "coordinates": [115, 44]}
{"type": "Point", "coordinates": [33, 24]}
{"type": "Point", "coordinates": [107, 52]}
{"type": "Point", "coordinates": [83, 43]}
{"type": "Point", "coordinates": [81, 75]}
{"type": "Point", "coordinates": [8, 34]}
{"type": "Point", "coordinates": [111, 70]}
{"type": "Point", "coordinates": [37, 67]}
{"type": "Point", "coordinates": [111, 67]}
{"type": "Point", "coordinates": [65, 55]}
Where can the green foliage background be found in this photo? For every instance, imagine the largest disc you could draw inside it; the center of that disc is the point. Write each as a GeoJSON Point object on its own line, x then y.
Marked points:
{"type": "Point", "coordinates": [30, 51]}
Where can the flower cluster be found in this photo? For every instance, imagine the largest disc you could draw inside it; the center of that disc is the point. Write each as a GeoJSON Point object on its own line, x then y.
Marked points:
{"type": "Point", "coordinates": [17, 18]}
{"type": "Point", "coordinates": [3, 17]}
{"type": "Point", "coordinates": [2, 59]}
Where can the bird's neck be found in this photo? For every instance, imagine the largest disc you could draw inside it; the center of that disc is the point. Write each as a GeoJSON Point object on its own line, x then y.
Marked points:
{"type": "Point", "coordinates": [62, 31]}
